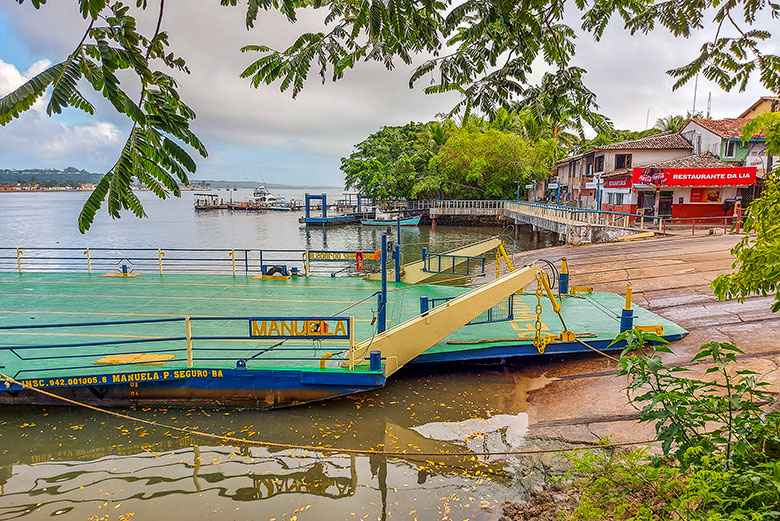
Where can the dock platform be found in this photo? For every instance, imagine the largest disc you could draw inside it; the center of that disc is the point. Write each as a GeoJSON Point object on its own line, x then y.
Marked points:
{"type": "Point", "coordinates": [37, 299]}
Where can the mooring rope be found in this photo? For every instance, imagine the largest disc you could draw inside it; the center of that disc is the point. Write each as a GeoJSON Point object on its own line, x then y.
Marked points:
{"type": "Point", "coordinates": [316, 448]}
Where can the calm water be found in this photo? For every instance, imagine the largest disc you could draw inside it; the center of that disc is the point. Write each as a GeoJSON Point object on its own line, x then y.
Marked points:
{"type": "Point", "coordinates": [49, 219]}
{"type": "Point", "coordinates": [76, 464]}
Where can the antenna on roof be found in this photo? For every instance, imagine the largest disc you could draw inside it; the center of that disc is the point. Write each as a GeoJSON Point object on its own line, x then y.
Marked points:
{"type": "Point", "coordinates": [647, 119]}
{"type": "Point", "coordinates": [695, 90]}
{"type": "Point", "coordinates": [709, 104]}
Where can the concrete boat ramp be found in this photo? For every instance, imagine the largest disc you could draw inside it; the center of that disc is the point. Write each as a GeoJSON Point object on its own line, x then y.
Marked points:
{"type": "Point", "coordinates": [671, 278]}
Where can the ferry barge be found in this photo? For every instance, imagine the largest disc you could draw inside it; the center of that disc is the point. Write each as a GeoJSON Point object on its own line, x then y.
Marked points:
{"type": "Point", "coordinates": [267, 338]}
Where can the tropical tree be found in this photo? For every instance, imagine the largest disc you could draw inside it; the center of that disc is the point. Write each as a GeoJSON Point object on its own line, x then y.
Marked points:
{"type": "Point", "coordinates": [432, 137]}
{"type": "Point", "coordinates": [674, 123]}
{"type": "Point", "coordinates": [671, 123]}
{"type": "Point", "coordinates": [490, 46]}
{"type": "Point", "coordinates": [563, 100]}
{"type": "Point", "coordinates": [110, 47]}
{"type": "Point", "coordinates": [757, 261]}
{"type": "Point", "coordinates": [484, 164]}
{"type": "Point", "coordinates": [385, 165]}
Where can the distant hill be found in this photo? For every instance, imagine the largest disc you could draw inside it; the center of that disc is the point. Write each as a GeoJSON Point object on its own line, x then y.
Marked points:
{"type": "Point", "coordinates": [46, 175]}
{"type": "Point", "coordinates": [72, 174]}
{"type": "Point", "coordinates": [253, 184]}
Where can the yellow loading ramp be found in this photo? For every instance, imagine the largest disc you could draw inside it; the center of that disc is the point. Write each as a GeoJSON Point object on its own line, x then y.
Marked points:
{"type": "Point", "coordinates": [413, 272]}
{"type": "Point", "coordinates": [401, 343]}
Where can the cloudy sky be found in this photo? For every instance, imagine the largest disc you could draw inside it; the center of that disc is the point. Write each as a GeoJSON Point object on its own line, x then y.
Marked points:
{"type": "Point", "coordinates": [264, 134]}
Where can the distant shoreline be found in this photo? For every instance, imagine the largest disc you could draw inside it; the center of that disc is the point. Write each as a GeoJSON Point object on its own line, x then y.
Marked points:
{"type": "Point", "coordinates": [75, 190]}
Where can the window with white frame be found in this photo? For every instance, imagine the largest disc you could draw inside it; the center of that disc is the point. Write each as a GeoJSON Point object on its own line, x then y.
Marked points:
{"type": "Point", "coordinates": [731, 149]}
{"type": "Point", "coordinates": [615, 199]}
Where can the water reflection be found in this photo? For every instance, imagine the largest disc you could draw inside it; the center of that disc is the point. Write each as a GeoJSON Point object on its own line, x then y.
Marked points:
{"type": "Point", "coordinates": [59, 461]}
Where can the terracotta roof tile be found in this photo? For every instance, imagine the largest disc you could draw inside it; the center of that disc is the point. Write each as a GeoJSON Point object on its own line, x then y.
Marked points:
{"type": "Point", "coordinates": [654, 142]}
{"type": "Point", "coordinates": [705, 160]}
{"type": "Point", "coordinates": [729, 128]}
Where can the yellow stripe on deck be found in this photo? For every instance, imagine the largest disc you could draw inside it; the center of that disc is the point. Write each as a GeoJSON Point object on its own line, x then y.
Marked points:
{"type": "Point", "coordinates": [136, 358]}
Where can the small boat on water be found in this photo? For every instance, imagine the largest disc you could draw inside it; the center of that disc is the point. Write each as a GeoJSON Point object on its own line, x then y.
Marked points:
{"type": "Point", "coordinates": [405, 221]}
{"type": "Point", "coordinates": [203, 201]}
{"type": "Point", "coordinates": [265, 200]}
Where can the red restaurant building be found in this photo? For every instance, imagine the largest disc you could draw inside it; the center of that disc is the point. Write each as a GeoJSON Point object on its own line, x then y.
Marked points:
{"type": "Point", "coordinates": [692, 186]}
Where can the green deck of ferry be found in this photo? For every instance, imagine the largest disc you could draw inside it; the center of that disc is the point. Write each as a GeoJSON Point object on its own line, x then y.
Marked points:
{"type": "Point", "coordinates": [59, 298]}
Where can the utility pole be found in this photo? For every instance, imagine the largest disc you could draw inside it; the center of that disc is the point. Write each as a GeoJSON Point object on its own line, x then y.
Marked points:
{"type": "Point", "coordinates": [695, 90]}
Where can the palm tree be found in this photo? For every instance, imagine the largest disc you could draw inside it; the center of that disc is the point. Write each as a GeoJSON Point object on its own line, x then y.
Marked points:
{"type": "Point", "coordinates": [505, 121]}
{"type": "Point", "coordinates": [431, 138]}
{"type": "Point", "coordinates": [671, 123]}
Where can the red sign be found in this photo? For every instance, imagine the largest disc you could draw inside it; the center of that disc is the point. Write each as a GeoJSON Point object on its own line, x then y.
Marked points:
{"type": "Point", "coordinates": [620, 182]}
{"type": "Point", "coordinates": [744, 175]}
{"type": "Point", "coordinates": [697, 195]}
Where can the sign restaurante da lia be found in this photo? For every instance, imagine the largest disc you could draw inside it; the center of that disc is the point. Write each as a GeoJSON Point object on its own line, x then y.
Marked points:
{"type": "Point", "coordinates": [733, 176]}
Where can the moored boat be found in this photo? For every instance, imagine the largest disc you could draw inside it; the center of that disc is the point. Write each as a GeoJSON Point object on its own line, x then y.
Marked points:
{"type": "Point", "coordinates": [405, 221]}
{"type": "Point", "coordinates": [157, 341]}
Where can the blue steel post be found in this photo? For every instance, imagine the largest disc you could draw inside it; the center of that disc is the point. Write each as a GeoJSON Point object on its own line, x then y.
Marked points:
{"type": "Point", "coordinates": [375, 361]}
{"type": "Point", "coordinates": [563, 277]}
{"type": "Point", "coordinates": [382, 318]}
{"type": "Point", "coordinates": [423, 305]}
{"type": "Point", "coordinates": [425, 259]}
{"type": "Point", "coordinates": [324, 205]}
{"type": "Point", "coordinates": [307, 203]}
{"type": "Point", "coordinates": [558, 197]}
{"type": "Point", "coordinates": [397, 258]}
{"type": "Point", "coordinates": [627, 314]}
{"type": "Point", "coordinates": [518, 191]}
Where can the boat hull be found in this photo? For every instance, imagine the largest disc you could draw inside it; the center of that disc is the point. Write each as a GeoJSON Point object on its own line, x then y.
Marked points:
{"type": "Point", "coordinates": [246, 388]}
{"type": "Point", "coordinates": [407, 221]}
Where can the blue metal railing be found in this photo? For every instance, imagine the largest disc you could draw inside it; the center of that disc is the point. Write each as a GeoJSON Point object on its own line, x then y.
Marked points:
{"type": "Point", "coordinates": [501, 312]}
{"type": "Point", "coordinates": [46, 358]}
{"type": "Point", "coordinates": [452, 265]}
{"type": "Point", "coordinates": [176, 260]}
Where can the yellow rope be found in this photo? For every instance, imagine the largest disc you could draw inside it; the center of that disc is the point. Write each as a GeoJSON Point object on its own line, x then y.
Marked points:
{"type": "Point", "coordinates": [288, 446]}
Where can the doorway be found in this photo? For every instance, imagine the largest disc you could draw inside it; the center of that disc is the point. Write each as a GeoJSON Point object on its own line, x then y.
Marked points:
{"type": "Point", "coordinates": [665, 202]}
{"type": "Point", "coordinates": [646, 203]}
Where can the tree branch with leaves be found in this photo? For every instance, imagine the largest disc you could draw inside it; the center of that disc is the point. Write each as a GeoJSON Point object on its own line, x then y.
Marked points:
{"type": "Point", "coordinates": [481, 49]}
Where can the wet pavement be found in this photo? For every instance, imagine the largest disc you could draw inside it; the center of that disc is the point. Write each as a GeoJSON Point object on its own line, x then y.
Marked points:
{"type": "Point", "coordinates": [670, 277]}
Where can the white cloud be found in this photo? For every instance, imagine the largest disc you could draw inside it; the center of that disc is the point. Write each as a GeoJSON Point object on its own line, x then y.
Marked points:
{"type": "Point", "coordinates": [11, 79]}
{"type": "Point", "coordinates": [628, 73]}
{"type": "Point", "coordinates": [36, 140]}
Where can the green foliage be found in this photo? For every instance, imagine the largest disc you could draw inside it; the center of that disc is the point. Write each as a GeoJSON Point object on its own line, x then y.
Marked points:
{"type": "Point", "coordinates": [386, 164]}
{"type": "Point", "coordinates": [758, 252]}
{"type": "Point", "coordinates": [481, 159]}
{"type": "Point", "coordinates": [675, 123]}
{"type": "Point", "coordinates": [721, 459]}
{"type": "Point", "coordinates": [565, 102]}
{"type": "Point", "coordinates": [152, 154]}
{"type": "Point", "coordinates": [485, 164]}
{"type": "Point", "coordinates": [689, 413]}
{"type": "Point", "coordinates": [484, 50]}
{"type": "Point", "coordinates": [612, 136]}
